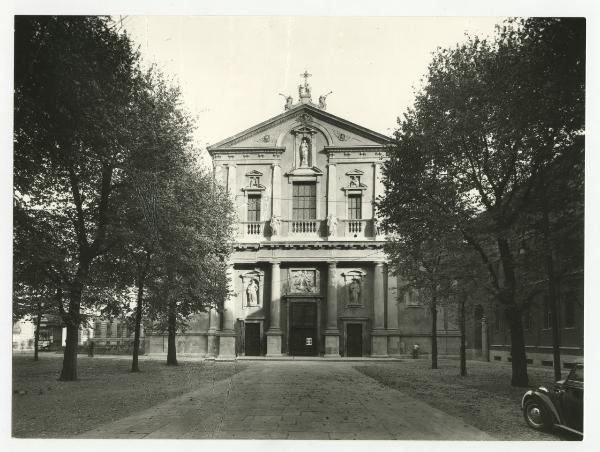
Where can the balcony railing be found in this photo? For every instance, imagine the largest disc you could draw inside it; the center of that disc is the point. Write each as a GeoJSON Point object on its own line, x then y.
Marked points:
{"type": "Point", "coordinates": [257, 231]}
{"type": "Point", "coordinates": [252, 229]}
{"type": "Point", "coordinates": [358, 229]}
{"type": "Point", "coordinates": [304, 226]}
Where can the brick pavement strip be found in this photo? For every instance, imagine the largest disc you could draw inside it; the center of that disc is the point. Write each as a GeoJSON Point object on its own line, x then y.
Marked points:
{"type": "Point", "coordinates": [292, 400]}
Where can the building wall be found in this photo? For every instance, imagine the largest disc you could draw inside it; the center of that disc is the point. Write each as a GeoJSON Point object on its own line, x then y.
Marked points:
{"type": "Point", "coordinates": [537, 333]}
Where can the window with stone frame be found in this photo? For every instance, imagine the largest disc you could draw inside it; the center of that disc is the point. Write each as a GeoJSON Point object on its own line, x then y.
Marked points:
{"type": "Point", "coordinates": [354, 206]}
{"type": "Point", "coordinates": [546, 314]}
{"type": "Point", "coordinates": [498, 324]}
{"type": "Point", "coordinates": [528, 320]}
{"type": "Point", "coordinates": [254, 207]}
{"type": "Point", "coordinates": [304, 201]}
{"type": "Point", "coordinates": [97, 329]}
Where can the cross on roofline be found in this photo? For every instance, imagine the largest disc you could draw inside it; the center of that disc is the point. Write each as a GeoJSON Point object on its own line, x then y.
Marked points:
{"type": "Point", "coordinates": [306, 75]}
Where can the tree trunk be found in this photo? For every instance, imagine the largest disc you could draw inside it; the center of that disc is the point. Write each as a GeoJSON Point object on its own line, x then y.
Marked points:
{"type": "Point", "coordinates": [171, 349]}
{"type": "Point", "coordinates": [138, 323]}
{"type": "Point", "coordinates": [69, 368]}
{"type": "Point", "coordinates": [517, 349]}
{"type": "Point", "coordinates": [552, 291]}
{"type": "Point", "coordinates": [463, 340]}
{"type": "Point", "coordinates": [36, 338]}
{"type": "Point", "coordinates": [513, 315]}
{"type": "Point", "coordinates": [434, 351]}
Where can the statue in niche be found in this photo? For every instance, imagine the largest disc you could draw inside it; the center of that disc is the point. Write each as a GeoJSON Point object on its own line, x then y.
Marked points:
{"type": "Point", "coordinates": [304, 149]}
{"type": "Point", "coordinates": [354, 290]}
{"type": "Point", "coordinates": [332, 222]}
{"type": "Point", "coordinates": [275, 224]}
{"type": "Point", "coordinates": [252, 292]}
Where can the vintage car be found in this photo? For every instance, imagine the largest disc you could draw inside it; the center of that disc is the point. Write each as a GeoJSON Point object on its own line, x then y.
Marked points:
{"type": "Point", "coordinates": [560, 407]}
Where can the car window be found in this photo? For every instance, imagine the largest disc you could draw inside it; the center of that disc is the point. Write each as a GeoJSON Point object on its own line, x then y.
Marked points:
{"type": "Point", "coordinates": [576, 373]}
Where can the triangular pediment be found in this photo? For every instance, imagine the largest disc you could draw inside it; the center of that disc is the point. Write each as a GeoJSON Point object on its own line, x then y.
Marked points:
{"type": "Point", "coordinates": [339, 132]}
{"type": "Point", "coordinates": [355, 172]}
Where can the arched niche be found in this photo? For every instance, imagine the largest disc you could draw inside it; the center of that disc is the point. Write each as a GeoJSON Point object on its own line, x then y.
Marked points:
{"type": "Point", "coordinates": [354, 287]}
{"type": "Point", "coordinates": [257, 277]}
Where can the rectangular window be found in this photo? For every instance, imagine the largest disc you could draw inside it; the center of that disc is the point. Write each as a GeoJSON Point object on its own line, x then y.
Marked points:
{"type": "Point", "coordinates": [97, 329]}
{"type": "Point", "coordinates": [304, 203]}
{"type": "Point", "coordinates": [253, 207]}
{"type": "Point", "coordinates": [119, 330]}
{"type": "Point", "coordinates": [498, 319]}
{"type": "Point", "coordinates": [547, 315]}
{"type": "Point", "coordinates": [354, 207]}
{"type": "Point", "coordinates": [569, 308]}
{"type": "Point", "coordinates": [528, 320]}
{"type": "Point", "coordinates": [108, 329]}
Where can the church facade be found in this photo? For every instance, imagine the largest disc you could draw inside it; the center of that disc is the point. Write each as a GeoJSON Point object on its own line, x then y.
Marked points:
{"type": "Point", "coordinates": [308, 270]}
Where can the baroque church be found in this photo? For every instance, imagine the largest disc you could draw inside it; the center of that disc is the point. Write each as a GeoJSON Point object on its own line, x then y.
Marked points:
{"type": "Point", "coordinates": [308, 270]}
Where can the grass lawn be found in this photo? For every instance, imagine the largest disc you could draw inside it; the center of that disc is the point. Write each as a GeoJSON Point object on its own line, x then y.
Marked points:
{"type": "Point", "coordinates": [105, 391]}
{"type": "Point", "coordinates": [484, 399]}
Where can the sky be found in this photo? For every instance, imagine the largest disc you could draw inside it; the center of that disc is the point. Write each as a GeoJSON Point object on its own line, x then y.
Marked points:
{"type": "Point", "coordinates": [232, 69]}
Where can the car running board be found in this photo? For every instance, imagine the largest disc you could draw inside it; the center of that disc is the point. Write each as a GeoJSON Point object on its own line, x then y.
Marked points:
{"type": "Point", "coordinates": [568, 429]}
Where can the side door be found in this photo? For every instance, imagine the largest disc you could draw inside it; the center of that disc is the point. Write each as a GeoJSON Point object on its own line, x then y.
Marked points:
{"type": "Point", "coordinates": [572, 399]}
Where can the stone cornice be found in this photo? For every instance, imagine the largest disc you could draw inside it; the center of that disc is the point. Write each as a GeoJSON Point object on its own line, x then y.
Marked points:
{"type": "Point", "coordinates": [310, 245]}
{"type": "Point", "coordinates": [248, 150]}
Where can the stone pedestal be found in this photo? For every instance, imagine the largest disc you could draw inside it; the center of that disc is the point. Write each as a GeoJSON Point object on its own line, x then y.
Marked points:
{"type": "Point", "coordinates": [379, 344]}
{"type": "Point", "coordinates": [332, 344]}
{"type": "Point", "coordinates": [274, 343]}
{"type": "Point", "coordinates": [393, 341]}
{"type": "Point", "coordinates": [212, 347]}
{"type": "Point", "coordinates": [226, 345]}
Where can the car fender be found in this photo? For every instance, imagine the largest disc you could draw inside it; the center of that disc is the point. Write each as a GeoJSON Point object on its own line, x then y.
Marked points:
{"type": "Point", "coordinates": [545, 399]}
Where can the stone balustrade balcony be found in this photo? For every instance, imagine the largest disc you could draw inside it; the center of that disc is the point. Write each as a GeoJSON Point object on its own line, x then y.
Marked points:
{"type": "Point", "coordinates": [307, 230]}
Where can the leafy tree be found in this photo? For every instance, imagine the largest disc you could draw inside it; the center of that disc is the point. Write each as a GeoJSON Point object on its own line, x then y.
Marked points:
{"type": "Point", "coordinates": [492, 116]}
{"type": "Point", "coordinates": [195, 243]}
{"type": "Point", "coordinates": [74, 84]}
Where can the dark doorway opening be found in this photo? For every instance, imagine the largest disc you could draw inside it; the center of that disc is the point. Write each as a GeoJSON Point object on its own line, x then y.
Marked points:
{"type": "Point", "coordinates": [252, 339]}
{"type": "Point", "coordinates": [303, 331]}
{"type": "Point", "coordinates": [354, 339]}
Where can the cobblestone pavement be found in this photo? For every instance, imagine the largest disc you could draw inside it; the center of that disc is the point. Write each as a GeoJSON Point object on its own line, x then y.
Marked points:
{"type": "Point", "coordinates": [293, 400]}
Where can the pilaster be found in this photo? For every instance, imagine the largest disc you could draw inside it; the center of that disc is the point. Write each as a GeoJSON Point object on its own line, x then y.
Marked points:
{"type": "Point", "coordinates": [274, 334]}
{"type": "Point", "coordinates": [227, 335]}
{"type": "Point", "coordinates": [276, 190]}
{"type": "Point", "coordinates": [331, 189]}
{"type": "Point", "coordinates": [379, 340]}
{"type": "Point", "coordinates": [332, 334]}
{"type": "Point", "coordinates": [392, 316]}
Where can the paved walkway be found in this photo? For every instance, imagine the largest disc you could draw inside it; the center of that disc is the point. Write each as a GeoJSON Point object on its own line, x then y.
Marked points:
{"type": "Point", "coordinates": [293, 400]}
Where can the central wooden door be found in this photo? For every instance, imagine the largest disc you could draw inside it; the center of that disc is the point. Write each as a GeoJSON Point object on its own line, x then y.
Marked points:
{"type": "Point", "coordinates": [303, 331]}
{"type": "Point", "coordinates": [354, 339]}
{"type": "Point", "coordinates": [252, 339]}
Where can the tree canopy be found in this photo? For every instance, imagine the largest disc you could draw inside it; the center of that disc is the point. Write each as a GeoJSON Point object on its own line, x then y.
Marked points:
{"type": "Point", "coordinates": [492, 116]}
